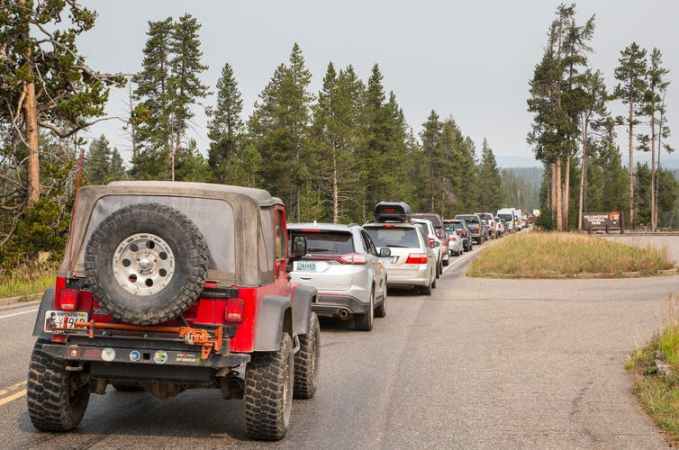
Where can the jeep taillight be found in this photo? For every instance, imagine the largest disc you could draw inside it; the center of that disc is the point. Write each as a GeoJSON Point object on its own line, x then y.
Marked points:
{"type": "Point", "coordinates": [352, 258]}
{"type": "Point", "coordinates": [417, 258]}
{"type": "Point", "coordinates": [233, 312]}
{"type": "Point", "coordinates": [68, 299]}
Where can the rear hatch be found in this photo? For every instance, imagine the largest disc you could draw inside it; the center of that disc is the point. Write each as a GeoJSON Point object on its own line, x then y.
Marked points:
{"type": "Point", "coordinates": [403, 241]}
{"type": "Point", "coordinates": [330, 261]}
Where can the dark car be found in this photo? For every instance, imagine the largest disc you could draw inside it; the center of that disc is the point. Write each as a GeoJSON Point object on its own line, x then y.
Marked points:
{"type": "Point", "coordinates": [459, 227]}
{"type": "Point", "coordinates": [478, 229]}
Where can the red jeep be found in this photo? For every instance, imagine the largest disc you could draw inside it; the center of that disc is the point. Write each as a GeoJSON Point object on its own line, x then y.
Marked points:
{"type": "Point", "coordinates": [170, 286]}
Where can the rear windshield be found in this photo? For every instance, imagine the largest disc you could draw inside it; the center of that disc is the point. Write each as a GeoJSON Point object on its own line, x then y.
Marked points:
{"type": "Point", "coordinates": [468, 219]}
{"type": "Point", "coordinates": [327, 242]}
{"type": "Point", "coordinates": [394, 237]}
{"type": "Point", "coordinates": [451, 227]}
{"type": "Point", "coordinates": [506, 217]}
{"type": "Point", "coordinates": [424, 229]}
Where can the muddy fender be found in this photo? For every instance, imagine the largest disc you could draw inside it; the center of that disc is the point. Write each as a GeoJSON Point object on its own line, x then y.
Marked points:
{"type": "Point", "coordinates": [271, 322]}
{"type": "Point", "coordinates": [302, 298]}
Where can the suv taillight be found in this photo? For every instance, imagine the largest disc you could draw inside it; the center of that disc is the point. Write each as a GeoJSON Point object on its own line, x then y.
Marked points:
{"type": "Point", "coordinates": [417, 258]}
{"type": "Point", "coordinates": [233, 312]}
{"type": "Point", "coordinates": [352, 258]}
{"type": "Point", "coordinates": [65, 298]}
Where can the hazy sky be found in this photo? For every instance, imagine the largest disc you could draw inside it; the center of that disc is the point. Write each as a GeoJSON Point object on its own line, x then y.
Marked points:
{"type": "Point", "coordinates": [471, 59]}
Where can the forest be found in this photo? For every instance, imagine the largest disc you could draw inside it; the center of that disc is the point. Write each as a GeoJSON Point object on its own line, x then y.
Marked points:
{"type": "Point", "coordinates": [574, 132]}
{"type": "Point", "coordinates": [330, 155]}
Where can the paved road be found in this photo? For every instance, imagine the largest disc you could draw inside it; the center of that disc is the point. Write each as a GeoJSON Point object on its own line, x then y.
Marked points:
{"type": "Point", "coordinates": [482, 364]}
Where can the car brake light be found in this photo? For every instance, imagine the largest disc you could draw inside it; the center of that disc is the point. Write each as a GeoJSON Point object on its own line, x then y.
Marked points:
{"type": "Point", "coordinates": [233, 313]}
{"type": "Point", "coordinates": [68, 299]}
{"type": "Point", "coordinates": [352, 258]}
{"type": "Point", "coordinates": [417, 258]}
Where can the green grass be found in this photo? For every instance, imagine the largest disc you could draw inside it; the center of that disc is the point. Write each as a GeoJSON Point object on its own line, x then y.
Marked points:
{"type": "Point", "coordinates": [26, 280]}
{"type": "Point", "coordinates": [558, 255]}
{"type": "Point", "coordinates": [658, 393]}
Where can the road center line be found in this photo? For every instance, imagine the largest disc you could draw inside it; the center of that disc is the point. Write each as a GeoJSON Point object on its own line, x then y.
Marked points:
{"type": "Point", "coordinates": [11, 388]}
{"type": "Point", "coordinates": [7, 316]}
{"type": "Point", "coordinates": [11, 398]}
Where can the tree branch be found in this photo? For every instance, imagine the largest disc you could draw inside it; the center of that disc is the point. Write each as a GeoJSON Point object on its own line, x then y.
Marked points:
{"type": "Point", "coordinates": [63, 134]}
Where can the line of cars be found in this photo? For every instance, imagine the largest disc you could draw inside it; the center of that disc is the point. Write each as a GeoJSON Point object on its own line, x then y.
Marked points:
{"type": "Point", "coordinates": [352, 266]}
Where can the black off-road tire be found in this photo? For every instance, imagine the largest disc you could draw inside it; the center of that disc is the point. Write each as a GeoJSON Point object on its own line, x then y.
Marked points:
{"type": "Point", "coordinates": [307, 360]}
{"type": "Point", "coordinates": [269, 387]}
{"type": "Point", "coordinates": [56, 399]}
{"type": "Point", "coordinates": [191, 263]}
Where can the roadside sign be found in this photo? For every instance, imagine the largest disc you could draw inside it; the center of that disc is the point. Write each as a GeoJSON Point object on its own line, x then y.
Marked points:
{"type": "Point", "coordinates": [605, 222]}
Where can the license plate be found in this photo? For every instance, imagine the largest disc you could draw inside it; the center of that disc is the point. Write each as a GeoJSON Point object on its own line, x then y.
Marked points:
{"type": "Point", "coordinates": [58, 321]}
{"type": "Point", "coordinates": [305, 266]}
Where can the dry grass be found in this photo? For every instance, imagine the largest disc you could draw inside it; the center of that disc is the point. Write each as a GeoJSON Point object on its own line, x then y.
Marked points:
{"type": "Point", "coordinates": [27, 280]}
{"type": "Point", "coordinates": [658, 391]}
{"type": "Point", "coordinates": [559, 255]}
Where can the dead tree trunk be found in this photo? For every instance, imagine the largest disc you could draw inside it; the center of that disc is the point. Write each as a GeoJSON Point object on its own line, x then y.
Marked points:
{"type": "Point", "coordinates": [557, 199]}
{"type": "Point", "coordinates": [583, 176]}
{"type": "Point", "coordinates": [630, 131]}
{"type": "Point", "coordinates": [566, 192]}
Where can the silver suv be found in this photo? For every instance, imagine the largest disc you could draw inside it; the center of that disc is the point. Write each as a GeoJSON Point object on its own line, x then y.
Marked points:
{"type": "Point", "coordinates": [344, 265]}
{"type": "Point", "coordinates": [412, 262]}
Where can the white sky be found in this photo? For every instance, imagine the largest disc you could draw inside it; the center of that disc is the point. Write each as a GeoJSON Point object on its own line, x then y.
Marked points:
{"type": "Point", "coordinates": [471, 60]}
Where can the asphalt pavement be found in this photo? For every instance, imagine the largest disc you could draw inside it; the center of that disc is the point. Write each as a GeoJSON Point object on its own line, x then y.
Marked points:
{"type": "Point", "coordinates": [481, 364]}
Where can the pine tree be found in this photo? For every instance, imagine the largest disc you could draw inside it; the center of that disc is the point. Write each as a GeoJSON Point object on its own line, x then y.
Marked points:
{"type": "Point", "coordinates": [225, 128]}
{"type": "Point", "coordinates": [98, 166]}
{"type": "Point", "coordinates": [45, 83]}
{"type": "Point", "coordinates": [279, 128]}
{"type": "Point", "coordinates": [431, 146]}
{"type": "Point", "coordinates": [652, 107]}
{"type": "Point", "coordinates": [151, 115]}
{"type": "Point", "coordinates": [185, 87]}
{"type": "Point", "coordinates": [116, 166]}
{"type": "Point", "coordinates": [490, 195]}
{"type": "Point", "coordinates": [631, 74]}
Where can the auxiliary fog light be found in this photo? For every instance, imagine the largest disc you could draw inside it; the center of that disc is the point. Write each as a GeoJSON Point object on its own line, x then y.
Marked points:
{"type": "Point", "coordinates": [108, 354]}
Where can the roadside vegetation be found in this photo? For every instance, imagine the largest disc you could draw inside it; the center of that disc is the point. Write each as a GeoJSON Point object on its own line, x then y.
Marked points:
{"type": "Point", "coordinates": [656, 375]}
{"type": "Point", "coordinates": [26, 280]}
{"type": "Point", "coordinates": [565, 255]}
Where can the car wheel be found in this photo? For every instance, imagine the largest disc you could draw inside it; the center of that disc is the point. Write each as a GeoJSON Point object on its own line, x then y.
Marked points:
{"type": "Point", "coordinates": [269, 387]}
{"type": "Point", "coordinates": [306, 361]}
{"type": "Point", "coordinates": [381, 311]}
{"type": "Point", "coordinates": [57, 398]}
{"type": "Point", "coordinates": [364, 322]}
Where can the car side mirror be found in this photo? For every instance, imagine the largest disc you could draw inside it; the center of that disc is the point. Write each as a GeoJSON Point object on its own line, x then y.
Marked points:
{"type": "Point", "coordinates": [299, 247]}
{"type": "Point", "coordinates": [385, 252]}
{"type": "Point", "coordinates": [437, 244]}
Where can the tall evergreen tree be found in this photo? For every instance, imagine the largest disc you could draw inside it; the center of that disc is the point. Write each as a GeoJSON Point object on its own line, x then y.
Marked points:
{"type": "Point", "coordinates": [490, 195]}
{"type": "Point", "coordinates": [631, 75]}
{"type": "Point", "coordinates": [98, 165]}
{"type": "Point", "coordinates": [652, 106]}
{"type": "Point", "coordinates": [225, 128]}
{"type": "Point", "coordinates": [151, 115]}
{"type": "Point", "coordinates": [431, 146]}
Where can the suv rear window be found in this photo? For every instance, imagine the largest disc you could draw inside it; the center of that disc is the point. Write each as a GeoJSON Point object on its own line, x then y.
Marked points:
{"type": "Point", "coordinates": [469, 219]}
{"type": "Point", "coordinates": [451, 227]}
{"type": "Point", "coordinates": [328, 242]}
{"type": "Point", "coordinates": [394, 237]}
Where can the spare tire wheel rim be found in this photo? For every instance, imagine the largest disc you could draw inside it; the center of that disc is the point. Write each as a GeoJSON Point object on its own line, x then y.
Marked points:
{"type": "Point", "coordinates": [143, 264]}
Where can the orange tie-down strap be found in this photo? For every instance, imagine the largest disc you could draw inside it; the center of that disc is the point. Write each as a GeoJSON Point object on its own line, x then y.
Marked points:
{"type": "Point", "coordinates": [192, 336]}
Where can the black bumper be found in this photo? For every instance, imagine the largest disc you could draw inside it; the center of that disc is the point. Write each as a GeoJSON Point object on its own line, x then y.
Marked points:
{"type": "Point", "coordinates": [142, 357]}
{"type": "Point", "coordinates": [333, 305]}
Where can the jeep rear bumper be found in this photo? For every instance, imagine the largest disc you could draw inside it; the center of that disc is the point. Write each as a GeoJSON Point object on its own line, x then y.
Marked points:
{"type": "Point", "coordinates": [117, 353]}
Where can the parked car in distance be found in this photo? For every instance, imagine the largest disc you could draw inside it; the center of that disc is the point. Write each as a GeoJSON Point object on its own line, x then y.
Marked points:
{"type": "Point", "coordinates": [412, 262]}
{"type": "Point", "coordinates": [344, 266]}
{"type": "Point", "coordinates": [459, 227]}
{"type": "Point", "coordinates": [489, 219]}
{"type": "Point", "coordinates": [476, 227]}
{"type": "Point", "coordinates": [439, 230]}
{"type": "Point", "coordinates": [507, 216]}
{"type": "Point", "coordinates": [427, 229]}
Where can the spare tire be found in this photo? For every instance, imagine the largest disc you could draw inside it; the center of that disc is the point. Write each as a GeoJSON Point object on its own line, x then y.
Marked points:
{"type": "Point", "coordinates": [146, 263]}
